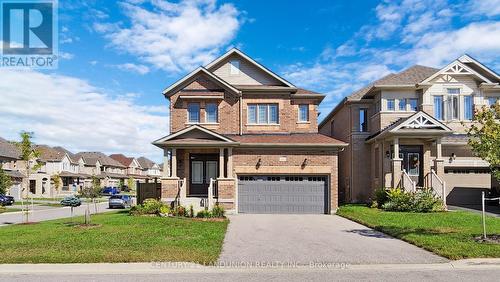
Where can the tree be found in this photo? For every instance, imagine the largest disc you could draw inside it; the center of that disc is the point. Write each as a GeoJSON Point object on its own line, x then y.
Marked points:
{"type": "Point", "coordinates": [131, 183]}
{"type": "Point", "coordinates": [56, 179]}
{"type": "Point", "coordinates": [29, 155]}
{"type": "Point", "coordinates": [5, 181]}
{"type": "Point", "coordinates": [91, 193]}
{"type": "Point", "coordinates": [484, 137]}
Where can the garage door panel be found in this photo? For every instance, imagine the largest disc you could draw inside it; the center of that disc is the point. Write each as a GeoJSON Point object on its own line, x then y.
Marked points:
{"type": "Point", "coordinates": [266, 196]}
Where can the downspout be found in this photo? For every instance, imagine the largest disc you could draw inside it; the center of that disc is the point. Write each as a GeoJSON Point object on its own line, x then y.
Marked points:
{"type": "Point", "coordinates": [241, 114]}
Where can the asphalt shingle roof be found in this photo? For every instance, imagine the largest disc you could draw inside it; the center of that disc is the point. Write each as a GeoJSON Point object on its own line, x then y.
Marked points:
{"type": "Point", "coordinates": [92, 157]}
{"type": "Point", "coordinates": [121, 158]}
{"type": "Point", "coordinates": [8, 150]}
{"type": "Point", "coordinates": [145, 162]}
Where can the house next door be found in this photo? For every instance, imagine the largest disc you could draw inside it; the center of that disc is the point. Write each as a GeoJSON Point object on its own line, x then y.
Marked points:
{"type": "Point", "coordinates": [413, 162]}
{"type": "Point", "coordinates": [202, 167]}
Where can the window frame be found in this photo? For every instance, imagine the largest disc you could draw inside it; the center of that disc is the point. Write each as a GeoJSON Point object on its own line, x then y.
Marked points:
{"type": "Point", "coordinates": [404, 109]}
{"type": "Point", "coordinates": [363, 125]}
{"type": "Point", "coordinates": [216, 108]}
{"type": "Point", "coordinates": [267, 107]}
{"type": "Point", "coordinates": [450, 105]}
{"type": "Point", "coordinates": [189, 112]}
{"type": "Point", "coordinates": [410, 105]}
{"type": "Point", "coordinates": [393, 105]}
{"type": "Point", "coordinates": [306, 108]}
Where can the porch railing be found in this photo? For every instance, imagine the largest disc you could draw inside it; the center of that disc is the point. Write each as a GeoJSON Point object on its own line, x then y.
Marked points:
{"type": "Point", "coordinates": [213, 193]}
{"type": "Point", "coordinates": [438, 185]}
{"type": "Point", "coordinates": [182, 190]}
{"type": "Point", "coordinates": [406, 183]}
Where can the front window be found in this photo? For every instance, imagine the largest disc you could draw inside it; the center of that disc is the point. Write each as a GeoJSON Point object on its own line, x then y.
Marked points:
{"type": "Point", "coordinates": [303, 113]}
{"type": "Point", "coordinates": [390, 104]}
{"type": "Point", "coordinates": [468, 108]}
{"type": "Point", "coordinates": [363, 120]}
{"type": "Point", "coordinates": [438, 107]}
{"type": "Point", "coordinates": [452, 107]}
{"type": "Point", "coordinates": [211, 113]}
{"type": "Point", "coordinates": [263, 114]}
{"type": "Point", "coordinates": [194, 112]}
{"type": "Point", "coordinates": [413, 104]}
{"type": "Point", "coordinates": [402, 104]}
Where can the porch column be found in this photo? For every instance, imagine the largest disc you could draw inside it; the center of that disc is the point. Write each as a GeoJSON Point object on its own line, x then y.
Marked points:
{"type": "Point", "coordinates": [174, 162]}
{"type": "Point", "coordinates": [165, 173]}
{"type": "Point", "coordinates": [221, 163]}
{"type": "Point", "coordinates": [396, 164]}
{"type": "Point", "coordinates": [439, 161]}
{"type": "Point", "coordinates": [230, 162]}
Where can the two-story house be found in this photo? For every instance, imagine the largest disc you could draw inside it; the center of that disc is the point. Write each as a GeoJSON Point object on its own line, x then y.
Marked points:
{"type": "Point", "coordinates": [134, 168]}
{"type": "Point", "coordinates": [244, 137]}
{"type": "Point", "coordinates": [150, 169]}
{"type": "Point", "coordinates": [408, 129]}
{"type": "Point", "coordinates": [9, 162]}
{"type": "Point", "coordinates": [111, 172]}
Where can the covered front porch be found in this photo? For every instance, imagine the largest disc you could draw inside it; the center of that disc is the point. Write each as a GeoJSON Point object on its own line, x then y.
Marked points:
{"type": "Point", "coordinates": [198, 169]}
{"type": "Point", "coordinates": [408, 154]}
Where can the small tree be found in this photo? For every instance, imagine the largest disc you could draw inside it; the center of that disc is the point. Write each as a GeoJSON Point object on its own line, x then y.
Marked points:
{"type": "Point", "coordinates": [484, 136]}
{"type": "Point", "coordinates": [28, 153]}
{"type": "Point", "coordinates": [131, 183]}
{"type": "Point", "coordinates": [56, 179]}
{"type": "Point", "coordinates": [91, 193]}
{"type": "Point", "coordinates": [5, 181]}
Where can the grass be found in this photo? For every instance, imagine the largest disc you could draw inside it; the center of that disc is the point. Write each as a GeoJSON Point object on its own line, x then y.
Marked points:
{"type": "Point", "coordinates": [6, 210]}
{"type": "Point", "coordinates": [119, 238]}
{"type": "Point", "coordinates": [449, 234]}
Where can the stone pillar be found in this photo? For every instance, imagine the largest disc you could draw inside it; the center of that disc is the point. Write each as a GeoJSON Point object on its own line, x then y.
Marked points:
{"type": "Point", "coordinates": [221, 163]}
{"type": "Point", "coordinates": [174, 163]}
{"type": "Point", "coordinates": [396, 164]}
{"type": "Point", "coordinates": [166, 172]}
{"type": "Point", "coordinates": [230, 163]}
{"type": "Point", "coordinates": [439, 161]}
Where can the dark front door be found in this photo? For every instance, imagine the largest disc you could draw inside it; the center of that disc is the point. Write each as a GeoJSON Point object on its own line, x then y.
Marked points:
{"type": "Point", "coordinates": [413, 162]}
{"type": "Point", "coordinates": [202, 167]}
{"type": "Point", "coordinates": [32, 186]}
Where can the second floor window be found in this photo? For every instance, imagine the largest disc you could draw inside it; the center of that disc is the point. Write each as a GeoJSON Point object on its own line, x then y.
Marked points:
{"type": "Point", "coordinates": [211, 113]}
{"type": "Point", "coordinates": [413, 104]}
{"type": "Point", "coordinates": [263, 113]}
{"type": "Point", "coordinates": [402, 104]}
{"type": "Point", "coordinates": [363, 120]}
{"type": "Point", "coordinates": [194, 112]}
{"type": "Point", "coordinates": [452, 107]}
{"type": "Point", "coordinates": [438, 107]}
{"type": "Point", "coordinates": [390, 104]}
{"type": "Point", "coordinates": [303, 113]}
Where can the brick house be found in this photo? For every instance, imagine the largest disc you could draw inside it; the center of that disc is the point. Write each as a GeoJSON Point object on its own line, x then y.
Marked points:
{"type": "Point", "coordinates": [248, 139]}
{"type": "Point", "coordinates": [408, 129]}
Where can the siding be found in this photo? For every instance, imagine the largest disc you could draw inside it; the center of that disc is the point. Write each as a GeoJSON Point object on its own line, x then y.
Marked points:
{"type": "Point", "coordinates": [249, 74]}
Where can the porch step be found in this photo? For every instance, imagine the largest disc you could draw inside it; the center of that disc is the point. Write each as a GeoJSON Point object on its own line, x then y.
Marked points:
{"type": "Point", "coordinates": [198, 203]}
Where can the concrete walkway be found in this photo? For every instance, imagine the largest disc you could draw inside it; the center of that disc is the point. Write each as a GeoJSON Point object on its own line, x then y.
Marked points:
{"type": "Point", "coordinates": [49, 213]}
{"type": "Point", "coordinates": [306, 239]}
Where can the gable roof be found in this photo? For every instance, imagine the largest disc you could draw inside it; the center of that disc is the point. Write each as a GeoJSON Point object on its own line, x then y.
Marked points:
{"type": "Point", "coordinates": [234, 51]}
{"type": "Point", "coordinates": [121, 158]}
{"type": "Point", "coordinates": [8, 150]}
{"type": "Point", "coordinates": [170, 139]}
{"type": "Point", "coordinates": [72, 157]}
{"type": "Point", "coordinates": [454, 68]}
{"type": "Point", "coordinates": [479, 67]}
{"type": "Point", "coordinates": [145, 162]}
{"type": "Point", "coordinates": [92, 157]}
{"type": "Point", "coordinates": [190, 77]}
{"type": "Point", "coordinates": [48, 154]}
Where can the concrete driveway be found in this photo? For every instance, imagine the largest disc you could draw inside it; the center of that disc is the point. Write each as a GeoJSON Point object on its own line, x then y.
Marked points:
{"type": "Point", "coordinates": [305, 239]}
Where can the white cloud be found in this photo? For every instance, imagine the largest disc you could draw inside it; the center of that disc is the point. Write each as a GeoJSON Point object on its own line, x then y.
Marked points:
{"type": "Point", "coordinates": [74, 114]}
{"type": "Point", "coordinates": [140, 69]}
{"type": "Point", "coordinates": [66, 55]}
{"type": "Point", "coordinates": [173, 36]}
{"type": "Point", "coordinates": [489, 8]}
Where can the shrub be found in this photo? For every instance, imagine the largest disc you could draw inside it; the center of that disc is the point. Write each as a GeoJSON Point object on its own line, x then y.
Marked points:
{"type": "Point", "coordinates": [191, 211]}
{"type": "Point", "coordinates": [380, 197]}
{"type": "Point", "coordinates": [203, 214]}
{"type": "Point", "coordinates": [179, 211]}
{"type": "Point", "coordinates": [421, 201]}
{"type": "Point", "coordinates": [218, 211]}
{"type": "Point", "coordinates": [150, 206]}
{"type": "Point", "coordinates": [164, 210]}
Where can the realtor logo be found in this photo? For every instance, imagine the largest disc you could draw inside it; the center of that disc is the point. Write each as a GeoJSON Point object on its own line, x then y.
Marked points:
{"type": "Point", "coordinates": [29, 33]}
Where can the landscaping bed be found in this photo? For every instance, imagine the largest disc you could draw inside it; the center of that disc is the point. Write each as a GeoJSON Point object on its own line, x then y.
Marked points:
{"type": "Point", "coordinates": [114, 237]}
{"type": "Point", "coordinates": [449, 234]}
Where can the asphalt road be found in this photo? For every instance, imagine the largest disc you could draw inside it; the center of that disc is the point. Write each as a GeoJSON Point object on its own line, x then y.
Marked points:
{"type": "Point", "coordinates": [49, 213]}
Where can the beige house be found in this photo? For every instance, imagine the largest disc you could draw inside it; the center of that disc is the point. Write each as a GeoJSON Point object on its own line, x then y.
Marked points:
{"type": "Point", "coordinates": [109, 171]}
{"type": "Point", "coordinates": [248, 139]}
{"type": "Point", "coordinates": [150, 169]}
{"type": "Point", "coordinates": [10, 163]}
{"type": "Point", "coordinates": [406, 129]}
{"type": "Point", "coordinates": [134, 168]}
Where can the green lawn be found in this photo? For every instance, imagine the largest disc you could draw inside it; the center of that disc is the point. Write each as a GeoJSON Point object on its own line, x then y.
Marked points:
{"type": "Point", "coordinates": [120, 238]}
{"type": "Point", "coordinates": [4, 210]}
{"type": "Point", "coordinates": [449, 234]}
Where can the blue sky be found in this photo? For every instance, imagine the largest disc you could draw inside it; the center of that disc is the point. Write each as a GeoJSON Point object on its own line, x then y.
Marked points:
{"type": "Point", "coordinates": [117, 57]}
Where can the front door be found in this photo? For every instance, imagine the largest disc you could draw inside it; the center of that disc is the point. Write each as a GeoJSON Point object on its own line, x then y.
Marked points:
{"type": "Point", "coordinates": [202, 167]}
{"type": "Point", "coordinates": [413, 162]}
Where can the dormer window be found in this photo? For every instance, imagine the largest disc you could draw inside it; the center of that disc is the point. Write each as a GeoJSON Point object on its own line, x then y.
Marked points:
{"type": "Point", "coordinates": [235, 67]}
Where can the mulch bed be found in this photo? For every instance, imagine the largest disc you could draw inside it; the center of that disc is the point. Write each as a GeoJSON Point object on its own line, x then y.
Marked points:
{"type": "Point", "coordinates": [493, 238]}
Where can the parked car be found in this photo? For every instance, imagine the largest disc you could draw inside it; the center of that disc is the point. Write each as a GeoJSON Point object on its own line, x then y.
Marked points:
{"type": "Point", "coordinates": [6, 200]}
{"type": "Point", "coordinates": [110, 191]}
{"type": "Point", "coordinates": [120, 201]}
{"type": "Point", "coordinates": [71, 201]}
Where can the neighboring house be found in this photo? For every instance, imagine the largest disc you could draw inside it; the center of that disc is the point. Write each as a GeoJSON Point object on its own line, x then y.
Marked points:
{"type": "Point", "coordinates": [149, 168]}
{"type": "Point", "coordinates": [248, 139]}
{"type": "Point", "coordinates": [408, 126]}
{"type": "Point", "coordinates": [111, 172]}
{"type": "Point", "coordinates": [134, 169]}
{"type": "Point", "coordinates": [10, 163]}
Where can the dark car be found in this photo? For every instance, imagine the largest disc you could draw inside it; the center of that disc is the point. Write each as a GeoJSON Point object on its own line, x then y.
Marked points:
{"type": "Point", "coordinates": [110, 191]}
{"type": "Point", "coordinates": [120, 201]}
{"type": "Point", "coordinates": [6, 200]}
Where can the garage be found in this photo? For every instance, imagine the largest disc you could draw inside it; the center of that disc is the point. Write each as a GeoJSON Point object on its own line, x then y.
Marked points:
{"type": "Point", "coordinates": [283, 194]}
